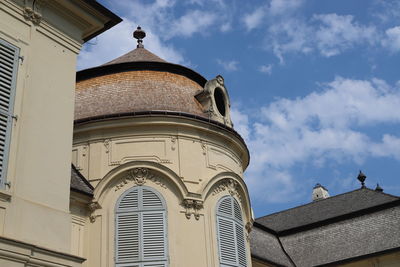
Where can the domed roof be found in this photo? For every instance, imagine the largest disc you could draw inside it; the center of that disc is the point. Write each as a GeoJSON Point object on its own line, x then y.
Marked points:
{"type": "Point", "coordinates": [138, 81]}
{"type": "Point", "coordinates": [138, 54]}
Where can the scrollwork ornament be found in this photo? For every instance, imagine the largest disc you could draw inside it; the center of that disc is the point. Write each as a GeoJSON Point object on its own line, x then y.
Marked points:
{"type": "Point", "coordinates": [249, 227]}
{"type": "Point", "coordinates": [107, 144]}
{"type": "Point", "coordinates": [173, 143]}
{"type": "Point", "coordinates": [93, 206]}
{"type": "Point", "coordinates": [229, 185]}
{"type": "Point", "coordinates": [138, 175]}
{"type": "Point", "coordinates": [192, 207]}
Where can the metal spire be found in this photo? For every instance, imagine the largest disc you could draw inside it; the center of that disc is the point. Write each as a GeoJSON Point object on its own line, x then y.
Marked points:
{"type": "Point", "coordinates": [139, 34]}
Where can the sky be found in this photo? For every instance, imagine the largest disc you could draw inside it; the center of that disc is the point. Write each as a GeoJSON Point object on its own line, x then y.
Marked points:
{"type": "Point", "coordinates": [314, 85]}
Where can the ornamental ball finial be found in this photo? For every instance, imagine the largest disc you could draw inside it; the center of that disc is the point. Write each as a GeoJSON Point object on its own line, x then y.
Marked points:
{"type": "Point", "coordinates": [139, 34]}
{"type": "Point", "coordinates": [361, 177]}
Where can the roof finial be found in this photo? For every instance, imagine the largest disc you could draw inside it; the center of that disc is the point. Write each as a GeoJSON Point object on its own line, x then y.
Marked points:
{"type": "Point", "coordinates": [139, 34]}
{"type": "Point", "coordinates": [378, 188]}
{"type": "Point", "coordinates": [361, 177]}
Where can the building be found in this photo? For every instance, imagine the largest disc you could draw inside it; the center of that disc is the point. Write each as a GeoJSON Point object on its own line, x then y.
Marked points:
{"type": "Point", "coordinates": [157, 168]}
{"type": "Point", "coordinates": [39, 44]}
{"type": "Point", "coordinates": [359, 228]}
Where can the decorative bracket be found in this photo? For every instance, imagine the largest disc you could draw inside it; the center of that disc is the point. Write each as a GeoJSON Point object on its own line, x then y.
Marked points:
{"type": "Point", "coordinates": [93, 206]}
{"type": "Point", "coordinates": [249, 227]}
{"type": "Point", "coordinates": [192, 206]}
{"type": "Point", "coordinates": [31, 11]}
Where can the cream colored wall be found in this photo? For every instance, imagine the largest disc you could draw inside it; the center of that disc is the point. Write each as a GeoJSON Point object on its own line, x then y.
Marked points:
{"type": "Point", "coordinates": [188, 161]}
{"type": "Point", "coordinates": [388, 260]}
{"type": "Point", "coordinates": [34, 208]}
{"type": "Point", "coordinates": [257, 263]}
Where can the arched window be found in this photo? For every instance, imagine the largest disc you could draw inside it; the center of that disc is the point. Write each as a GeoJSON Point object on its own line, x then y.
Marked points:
{"type": "Point", "coordinates": [140, 232]}
{"type": "Point", "coordinates": [231, 240]}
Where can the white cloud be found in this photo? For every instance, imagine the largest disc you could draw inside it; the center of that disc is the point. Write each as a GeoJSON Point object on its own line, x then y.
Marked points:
{"type": "Point", "coordinates": [231, 65]}
{"type": "Point", "coordinates": [279, 7]}
{"type": "Point", "coordinates": [254, 19]}
{"type": "Point", "coordinates": [392, 40]}
{"type": "Point", "coordinates": [337, 33]}
{"type": "Point", "coordinates": [267, 69]}
{"type": "Point", "coordinates": [320, 128]}
{"type": "Point", "coordinates": [329, 34]}
{"type": "Point", "coordinates": [192, 22]}
{"type": "Point", "coordinates": [104, 48]}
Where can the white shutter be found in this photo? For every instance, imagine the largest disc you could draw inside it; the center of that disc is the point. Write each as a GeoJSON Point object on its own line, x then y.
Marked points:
{"type": "Point", "coordinates": [127, 237]}
{"type": "Point", "coordinates": [241, 245]}
{"type": "Point", "coordinates": [153, 236]}
{"type": "Point", "coordinates": [141, 229]}
{"type": "Point", "coordinates": [230, 230]}
{"type": "Point", "coordinates": [130, 201]}
{"type": "Point", "coordinates": [150, 200]}
{"type": "Point", "coordinates": [227, 246]}
{"type": "Point", "coordinates": [8, 74]}
{"type": "Point", "coordinates": [237, 210]}
{"type": "Point", "coordinates": [225, 207]}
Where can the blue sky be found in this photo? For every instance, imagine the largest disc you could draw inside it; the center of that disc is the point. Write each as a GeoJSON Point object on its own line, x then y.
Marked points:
{"type": "Point", "coordinates": [314, 85]}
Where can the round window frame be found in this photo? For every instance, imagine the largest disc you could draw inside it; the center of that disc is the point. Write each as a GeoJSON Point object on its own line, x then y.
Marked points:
{"type": "Point", "coordinates": [219, 98]}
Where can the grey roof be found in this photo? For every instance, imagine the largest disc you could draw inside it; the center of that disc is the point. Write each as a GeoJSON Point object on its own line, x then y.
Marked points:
{"type": "Point", "coordinates": [358, 237]}
{"type": "Point", "coordinates": [266, 247]}
{"type": "Point", "coordinates": [136, 55]}
{"type": "Point", "coordinates": [325, 209]}
{"type": "Point", "coordinates": [79, 183]}
{"type": "Point", "coordinates": [341, 228]}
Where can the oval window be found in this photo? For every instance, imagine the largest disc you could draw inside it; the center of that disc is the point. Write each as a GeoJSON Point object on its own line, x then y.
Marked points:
{"type": "Point", "coordinates": [219, 99]}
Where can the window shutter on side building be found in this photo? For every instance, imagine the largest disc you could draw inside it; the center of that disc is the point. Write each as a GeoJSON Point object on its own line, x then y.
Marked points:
{"type": "Point", "coordinates": [9, 55]}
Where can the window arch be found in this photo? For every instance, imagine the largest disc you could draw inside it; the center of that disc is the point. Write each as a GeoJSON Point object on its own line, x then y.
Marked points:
{"type": "Point", "coordinates": [230, 233]}
{"type": "Point", "coordinates": [140, 229]}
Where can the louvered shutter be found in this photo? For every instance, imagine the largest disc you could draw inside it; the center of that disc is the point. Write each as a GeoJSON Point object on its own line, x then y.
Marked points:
{"type": "Point", "coordinates": [141, 229]}
{"type": "Point", "coordinates": [8, 74]}
{"type": "Point", "coordinates": [230, 230]}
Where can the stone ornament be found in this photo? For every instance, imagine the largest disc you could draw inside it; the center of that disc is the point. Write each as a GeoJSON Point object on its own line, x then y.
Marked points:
{"type": "Point", "coordinates": [229, 185]}
{"type": "Point", "coordinates": [139, 176]}
{"type": "Point", "coordinates": [31, 11]}
{"type": "Point", "coordinates": [192, 206]}
{"type": "Point", "coordinates": [249, 227]}
{"type": "Point", "coordinates": [93, 206]}
{"type": "Point", "coordinates": [210, 102]}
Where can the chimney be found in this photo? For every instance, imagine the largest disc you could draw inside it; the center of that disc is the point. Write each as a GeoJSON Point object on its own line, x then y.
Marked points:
{"type": "Point", "coordinates": [319, 192]}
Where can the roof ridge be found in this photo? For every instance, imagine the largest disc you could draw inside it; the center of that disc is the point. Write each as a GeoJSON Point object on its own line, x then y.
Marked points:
{"type": "Point", "coordinates": [328, 198]}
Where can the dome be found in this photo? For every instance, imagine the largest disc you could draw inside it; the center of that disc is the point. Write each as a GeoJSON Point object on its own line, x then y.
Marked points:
{"type": "Point", "coordinates": [135, 82]}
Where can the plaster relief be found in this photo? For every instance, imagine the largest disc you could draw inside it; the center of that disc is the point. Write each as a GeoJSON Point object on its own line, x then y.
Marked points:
{"type": "Point", "coordinates": [146, 149]}
{"type": "Point", "coordinates": [229, 185]}
{"type": "Point", "coordinates": [32, 11]}
{"type": "Point", "coordinates": [79, 156]}
{"type": "Point", "coordinates": [139, 176]}
{"type": "Point", "coordinates": [192, 207]}
{"type": "Point", "coordinates": [218, 158]}
{"type": "Point", "coordinates": [93, 206]}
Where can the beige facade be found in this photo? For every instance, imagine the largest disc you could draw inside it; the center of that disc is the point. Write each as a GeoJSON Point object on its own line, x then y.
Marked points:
{"type": "Point", "coordinates": [34, 206]}
{"type": "Point", "coordinates": [188, 162]}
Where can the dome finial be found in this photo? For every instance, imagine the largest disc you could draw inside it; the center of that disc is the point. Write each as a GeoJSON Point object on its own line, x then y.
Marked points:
{"type": "Point", "coordinates": [361, 177]}
{"type": "Point", "coordinates": [139, 34]}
